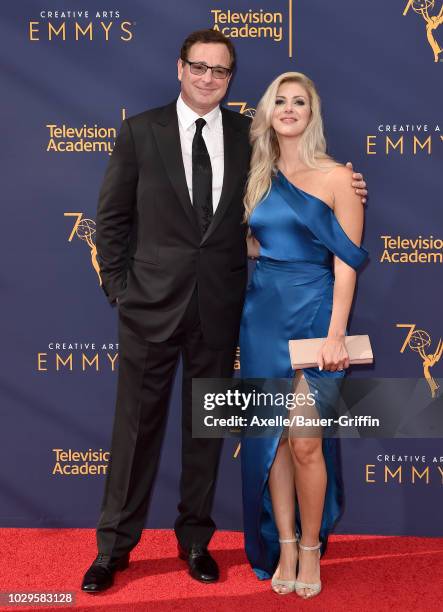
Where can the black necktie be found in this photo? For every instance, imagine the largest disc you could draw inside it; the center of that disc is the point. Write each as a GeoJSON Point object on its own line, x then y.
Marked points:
{"type": "Point", "coordinates": [201, 178]}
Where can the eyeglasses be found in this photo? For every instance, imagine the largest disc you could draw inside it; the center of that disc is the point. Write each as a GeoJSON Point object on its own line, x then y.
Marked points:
{"type": "Point", "coordinates": [218, 72]}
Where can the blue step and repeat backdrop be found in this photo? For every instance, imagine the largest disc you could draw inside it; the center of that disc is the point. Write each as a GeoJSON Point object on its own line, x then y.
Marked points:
{"type": "Point", "coordinates": [71, 72]}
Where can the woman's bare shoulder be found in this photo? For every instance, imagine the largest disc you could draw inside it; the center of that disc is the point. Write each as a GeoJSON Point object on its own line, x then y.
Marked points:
{"type": "Point", "coordinates": [339, 176]}
{"type": "Point", "coordinates": [326, 166]}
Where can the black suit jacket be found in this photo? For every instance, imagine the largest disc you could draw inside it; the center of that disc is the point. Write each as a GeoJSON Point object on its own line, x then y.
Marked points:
{"type": "Point", "coordinates": [149, 247]}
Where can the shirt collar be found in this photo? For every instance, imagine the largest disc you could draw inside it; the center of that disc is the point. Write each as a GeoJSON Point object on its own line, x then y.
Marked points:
{"type": "Point", "coordinates": [188, 117]}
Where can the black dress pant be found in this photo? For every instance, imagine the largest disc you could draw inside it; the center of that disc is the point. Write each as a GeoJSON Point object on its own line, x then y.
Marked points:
{"type": "Point", "coordinates": [145, 377]}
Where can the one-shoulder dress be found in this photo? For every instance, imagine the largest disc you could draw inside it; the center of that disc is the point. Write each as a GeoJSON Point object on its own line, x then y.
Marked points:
{"type": "Point", "coordinates": [289, 297]}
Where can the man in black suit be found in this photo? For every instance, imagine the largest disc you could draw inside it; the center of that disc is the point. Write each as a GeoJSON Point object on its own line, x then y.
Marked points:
{"type": "Point", "coordinates": [172, 253]}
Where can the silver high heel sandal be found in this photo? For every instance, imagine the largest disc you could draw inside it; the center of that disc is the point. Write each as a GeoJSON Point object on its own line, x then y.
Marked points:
{"type": "Point", "coordinates": [314, 587]}
{"type": "Point", "coordinates": [289, 584]}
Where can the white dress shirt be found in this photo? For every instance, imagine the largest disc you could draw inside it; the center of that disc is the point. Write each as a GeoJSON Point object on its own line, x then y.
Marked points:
{"type": "Point", "coordinates": [212, 135]}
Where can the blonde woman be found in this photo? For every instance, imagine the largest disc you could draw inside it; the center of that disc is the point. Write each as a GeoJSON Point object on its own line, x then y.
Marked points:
{"type": "Point", "coordinates": [305, 229]}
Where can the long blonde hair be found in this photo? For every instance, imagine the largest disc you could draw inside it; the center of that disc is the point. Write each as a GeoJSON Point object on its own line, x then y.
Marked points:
{"type": "Point", "coordinates": [265, 148]}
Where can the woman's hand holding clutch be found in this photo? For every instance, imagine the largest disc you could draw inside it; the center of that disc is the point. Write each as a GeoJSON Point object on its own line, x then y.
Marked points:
{"type": "Point", "coordinates": [333, 355]}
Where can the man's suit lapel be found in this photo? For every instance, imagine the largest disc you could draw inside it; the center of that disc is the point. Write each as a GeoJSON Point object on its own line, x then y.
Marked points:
{"type": "Point", "coordinates": [167, 136]}
{"type": "Point", "coordinates": [231, 174]}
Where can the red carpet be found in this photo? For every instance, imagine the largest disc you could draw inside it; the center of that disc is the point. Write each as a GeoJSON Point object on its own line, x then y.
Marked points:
{"type": "Point", "coordinates": [364, 573]}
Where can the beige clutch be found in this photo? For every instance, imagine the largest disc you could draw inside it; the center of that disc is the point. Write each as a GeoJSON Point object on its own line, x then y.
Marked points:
{"type": "Point", "coordinates": [304, 352]}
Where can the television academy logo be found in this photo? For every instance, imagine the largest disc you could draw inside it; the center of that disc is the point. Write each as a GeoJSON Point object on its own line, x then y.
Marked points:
{"type": "Point", "coordinates": [433, 22]}
{"type": "Point", "coordinates": [419, 341]}
{"type": "Point", "coordinates": [70, 462]}
{"type": "Point", "coordinates": [274, 25]}
{"type": "Point", "coordinates": [65, 138]}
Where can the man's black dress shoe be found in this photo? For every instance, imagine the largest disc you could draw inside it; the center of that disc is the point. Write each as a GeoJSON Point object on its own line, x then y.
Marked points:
{"type": "Point", "coordinates": [100, 576]}
{"type": "Point", "coordinates": [201, 565]}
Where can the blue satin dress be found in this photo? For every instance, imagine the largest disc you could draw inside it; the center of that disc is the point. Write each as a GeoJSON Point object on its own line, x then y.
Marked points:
{"type": "Point", "coordinates": [289, 297]}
